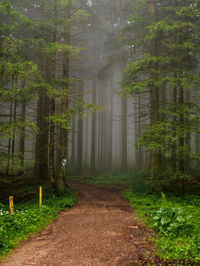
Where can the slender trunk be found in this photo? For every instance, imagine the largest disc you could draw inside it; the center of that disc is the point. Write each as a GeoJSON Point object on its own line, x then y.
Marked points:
{"type": "Point", "coordinates": [52, 112]}
{"type": "Point", "coordinates": [36, 172]}
{"type": "Point", "coordinates": [9, 141]}
{"type": "Point", "coordinates": [111, 130]}
{"type": "Point", "coordinates": [86, 144]}
{"type": "Point", "coordinates": [181, 156]}
{"type": "Point", "coordinates": [163, 99]}
{"type": "Point", "coordinates": [73, 159]}
{"type": "Point", "coordinates": [80, 148]}
{"type": "Point", "coordinates": [44, 171]}
{"type": "Point", "coordinates": [63, 139]}
{"type": "Point", "coordinates": [174, 148]}
{"type": "Point", "coordinates": [13, 139]}
{"type": "Point", "coordinates": [154, 97]}
{"type": "Point", "coordinates": [102, 131]}
{"type": "Point", "coordinates": [22, 138]}
{"type": "Point", "coordinates": [99, 133]}
{"type": "Point", "coordinates": [188, 135]}
{"type": "Point", "coordinates": [80, 136]}
{"type": "Point", "coordinates": [139, 117]}
{"type": "Point", "coordinates": [124, 133]}
{"type": "Point", "coordinates": [181, 142]}
{"type": "Point", "coordinates": [197, 138]}
{"type": "Point", "coordinates": [41, 146]}
{"type": "Point", "coordinates": [136, 131]}
{"type": "Point", "coordinates": [93, 143]}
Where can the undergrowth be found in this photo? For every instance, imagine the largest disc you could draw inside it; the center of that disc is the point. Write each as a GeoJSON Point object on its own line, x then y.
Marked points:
{"type": "Point", "coordinates": [112, 177]}
{"type": "Point", "coordinates": [28, 219]}
{"type": "Point", "coordinates": [175, 220]}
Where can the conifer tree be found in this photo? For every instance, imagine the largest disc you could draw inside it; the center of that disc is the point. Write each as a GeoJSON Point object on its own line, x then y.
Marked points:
{"type": "Point", "coordinates": [169, 40]}
{"type": "Point", "coordinates": [17, 75]}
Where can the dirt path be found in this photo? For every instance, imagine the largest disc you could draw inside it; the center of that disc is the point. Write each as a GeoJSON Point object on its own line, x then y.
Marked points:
{"type": "Point", "coordinates": [100, 230]}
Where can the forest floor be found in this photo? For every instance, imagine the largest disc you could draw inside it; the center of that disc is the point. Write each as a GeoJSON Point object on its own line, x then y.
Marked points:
{"type": "Point", "coordinates": [100, 230]}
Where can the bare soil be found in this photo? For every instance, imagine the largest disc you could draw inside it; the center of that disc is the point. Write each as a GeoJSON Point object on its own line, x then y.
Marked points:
{"type": "Point", "coordinates": [100, 230]}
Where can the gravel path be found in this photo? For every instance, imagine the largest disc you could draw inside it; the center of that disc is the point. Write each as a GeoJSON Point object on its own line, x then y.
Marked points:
{"type": "Point", "coordinates": [100, 230]}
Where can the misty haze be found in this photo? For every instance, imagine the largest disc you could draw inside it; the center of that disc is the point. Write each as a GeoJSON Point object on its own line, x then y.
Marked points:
{"type": "Point", "coordinates": [99, 111]}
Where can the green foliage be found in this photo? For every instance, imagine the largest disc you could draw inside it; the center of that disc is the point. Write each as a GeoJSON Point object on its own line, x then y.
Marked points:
{"type": "Point", "coordinates": [79, 16]}
{"type": "Point", "coordinates": [176, 222]}
{"type": "Point", "coordinates": [29, 219]}
{"type": "Point", "coordinates": [172, 222]}
{"type": "Point", "coordinates": [166, 35]}
{"type": "Point", "coordinates": [15, 128]}
{"type": "Point", "coordinates": [80, 107]}
{"type": "Point", "coordinates": [52, 49]}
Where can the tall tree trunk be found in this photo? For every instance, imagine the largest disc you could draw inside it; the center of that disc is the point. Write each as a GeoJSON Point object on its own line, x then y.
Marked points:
{"type": "Point", "coordinates": [139, 117]}
{"type": "Point", "coordinates": [102, 131]}
{"type": "Point", "coordinates": [138, 127]}
{"type": "Point", "coordinates": [181, 142]}
{"type": "Point", "coordinates": [86, 144]}
{"type": "Point", "coordinates": [63, 139]}
{"type": "Point", "coordinates": [111, 127]}
{"type": "Point", "coordinates": [188, 135]}
{"type": "Point", "coordinates": [80, 136]}
{"type": "Point", "coordinates": [197, 138]}
{"type": "Point", "coordinates": [99, 132]}
{"type": "Point", "coordinates": [52, 113]}
{"type": "Point", "coordinates": [124, 133]}
{"type": "Point", "coordinates": [136, 130]}
{"type": "Point", "coordinates": [93, 143]}
{"type": "Point", "coordinates": [9, 140]}
{"type": "Point", "coordinates": [41, 171]}
{"type": "Point", "coordinates": [22, 138]}
{"type": "Point", "coordinates": [73, 155]}
{"type": "Point", "coordinates": [13, 138]}
{"type": "Point", "coordinates": [181, 156]}
{"type": "Point", "coordinates": [174, 148]}
{"type": "Point", "coordinates": [154, 96]}
{"type": "Point", "coordinates": [36, 172]}
{"type": "Point", "coordinates": [163, 101]}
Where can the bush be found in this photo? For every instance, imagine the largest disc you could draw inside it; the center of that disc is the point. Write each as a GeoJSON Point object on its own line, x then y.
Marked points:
{"type": "Point", "coordinates": [172, 222]}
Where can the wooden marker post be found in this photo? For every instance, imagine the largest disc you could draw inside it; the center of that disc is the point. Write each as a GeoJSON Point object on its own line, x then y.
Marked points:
{"type": "Point", "coordinates": [40, 196]}
{"type": "Point", "coordinates": [11, 205]}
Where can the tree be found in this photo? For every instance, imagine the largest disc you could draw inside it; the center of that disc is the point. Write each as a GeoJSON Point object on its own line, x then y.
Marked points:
{"type": "Point", "coordinates": [17, 76]}
{"type": "Point", "coordinates": [170, 45]}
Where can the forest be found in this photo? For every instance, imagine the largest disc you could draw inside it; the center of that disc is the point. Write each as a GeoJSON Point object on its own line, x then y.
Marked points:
{"type": "Point", "coordinates": [99, 99]}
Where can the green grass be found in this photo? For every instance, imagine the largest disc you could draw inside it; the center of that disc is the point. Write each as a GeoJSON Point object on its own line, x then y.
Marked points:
{"type": "Point", "coordinates": [176, 223]}
{"type": "Point", "coordinates": [28, 219]}
{"type": "Point", "coordinates": [111, 178]}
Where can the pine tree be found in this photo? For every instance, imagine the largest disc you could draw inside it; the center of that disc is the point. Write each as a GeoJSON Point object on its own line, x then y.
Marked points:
{"type": "Point", "coordinates": [170, 47]}
{"type": "Point", "coordinates": [17, 76]}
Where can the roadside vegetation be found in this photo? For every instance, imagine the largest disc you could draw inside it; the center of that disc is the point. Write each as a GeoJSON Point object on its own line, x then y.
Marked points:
{"type": "Point", "coordinates": [173, 219]}
{"type": "Point", "coordinates": [176, 223]}
{"type": "Point", "coordinates": [29, 218]}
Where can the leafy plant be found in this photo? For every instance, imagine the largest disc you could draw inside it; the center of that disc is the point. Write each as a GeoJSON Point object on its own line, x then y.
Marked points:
{"type": "Point", "coordinates": [172, 222]}
{"type": "Point", "coordinates": [176, 221]}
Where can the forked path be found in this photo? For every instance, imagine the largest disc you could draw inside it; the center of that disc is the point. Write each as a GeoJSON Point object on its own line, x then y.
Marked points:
{"type": "Point", "coordinates": [100, 230]}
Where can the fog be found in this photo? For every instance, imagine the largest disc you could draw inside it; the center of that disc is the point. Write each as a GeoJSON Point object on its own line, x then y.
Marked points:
{"type": "Point", "coordinates": [88, 77]}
